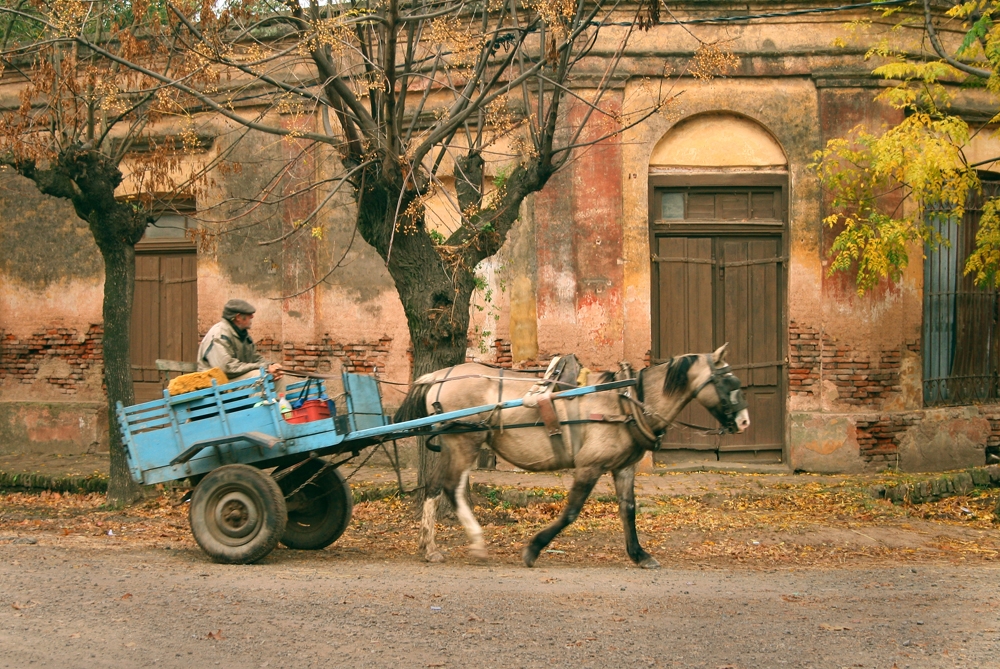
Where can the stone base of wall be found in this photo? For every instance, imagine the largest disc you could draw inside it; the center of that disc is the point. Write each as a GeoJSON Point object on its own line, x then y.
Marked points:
{"type": "Point", "coordinates": [65, 428]}
{"type": "Point", "coordinates": [926, 440]}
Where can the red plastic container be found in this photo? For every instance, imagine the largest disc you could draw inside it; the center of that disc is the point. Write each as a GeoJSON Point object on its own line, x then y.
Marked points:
{"type": "Point", "coordinates": [309, 411]}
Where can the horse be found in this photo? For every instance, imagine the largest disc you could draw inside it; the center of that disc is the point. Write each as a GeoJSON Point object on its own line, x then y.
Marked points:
{"type": "Point", "coordinates": [617, 427]}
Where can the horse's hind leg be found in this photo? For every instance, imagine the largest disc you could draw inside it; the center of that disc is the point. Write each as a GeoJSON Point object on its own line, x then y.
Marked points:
{"type": "Point", "coordinates": [625, 487]}
{"type": "Point", "coordinates": [432, 493]}
{"type": "Point", "coordinates": [463, 451]}
{"type": "Point", "coordinates": [583, 483]}
{"type": "Point", "coordinates": [473, 529]}
{"type": "Point", "coordinates": [451, 478]}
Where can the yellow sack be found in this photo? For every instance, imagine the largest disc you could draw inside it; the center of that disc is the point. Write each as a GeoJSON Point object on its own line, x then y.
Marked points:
{"type": "Point", "coordinates": [186, 383]}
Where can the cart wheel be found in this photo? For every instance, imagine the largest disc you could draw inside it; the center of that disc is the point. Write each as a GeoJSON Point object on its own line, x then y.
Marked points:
{"type": "Point", "coordinates": [237, 514]}
{"type": "Point", "coordinates": [318, 513]}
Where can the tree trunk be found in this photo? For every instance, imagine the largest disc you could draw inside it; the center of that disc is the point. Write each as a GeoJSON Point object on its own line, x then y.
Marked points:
{"type": "Point", "coordinates": [88, 178]}
{"type": "Point", "coordinates": [439, 337]}
{"type": "Point", "coordinates": [434, 293]}
{"type": "Point", "coordinates": [119, 288]}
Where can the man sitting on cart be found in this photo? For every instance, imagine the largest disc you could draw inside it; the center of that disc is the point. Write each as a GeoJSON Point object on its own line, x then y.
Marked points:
{"type": "Point", "coordinates": [228, 346]}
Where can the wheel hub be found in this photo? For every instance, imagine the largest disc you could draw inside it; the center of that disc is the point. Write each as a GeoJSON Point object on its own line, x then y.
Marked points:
{"type": "Point", "coordinates": [236, 515]}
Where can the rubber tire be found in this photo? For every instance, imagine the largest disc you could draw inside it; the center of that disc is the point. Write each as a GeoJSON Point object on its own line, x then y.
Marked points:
{"type": "Point", "coordinates": [326, 517]}
{"type": "Point", "coordinates": [246, 490]}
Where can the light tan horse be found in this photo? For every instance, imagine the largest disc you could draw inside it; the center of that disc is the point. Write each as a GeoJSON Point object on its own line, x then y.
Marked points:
{"type": "Point", "coordinates": [595, 436]}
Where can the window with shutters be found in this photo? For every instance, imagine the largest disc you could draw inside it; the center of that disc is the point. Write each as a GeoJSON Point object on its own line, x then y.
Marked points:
{"type": "Point", "coordinates": [960, 348]}
{"type": "Point", "coordinates": [165, 307]}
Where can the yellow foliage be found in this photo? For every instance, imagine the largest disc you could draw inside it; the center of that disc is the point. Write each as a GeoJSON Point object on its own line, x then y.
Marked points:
{"type": "Point", "coordinates": [890, 186]}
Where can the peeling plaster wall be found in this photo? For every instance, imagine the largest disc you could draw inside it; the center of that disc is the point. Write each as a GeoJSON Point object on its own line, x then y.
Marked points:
{"type": "Point", "coordinates": [577, 266]}
{"type": "Point", "coordinates": [51, 283]}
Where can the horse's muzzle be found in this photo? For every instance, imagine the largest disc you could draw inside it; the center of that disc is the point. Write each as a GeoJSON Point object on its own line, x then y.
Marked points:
{"type": "Point", "coordinates": [742, 421]}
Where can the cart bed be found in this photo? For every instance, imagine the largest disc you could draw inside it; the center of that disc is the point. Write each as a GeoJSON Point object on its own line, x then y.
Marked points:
{"type": "Point", "coordinates": [240, 422]}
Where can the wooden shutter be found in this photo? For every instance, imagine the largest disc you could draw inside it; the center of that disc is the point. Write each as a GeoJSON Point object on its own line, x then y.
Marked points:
{"type": "Point", "coordinates": [164, 316]}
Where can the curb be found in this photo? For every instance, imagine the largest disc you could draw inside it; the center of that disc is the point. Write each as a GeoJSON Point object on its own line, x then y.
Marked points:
{"type": "Point", "coordinates": [39, 482]}
{"type": "Point", "coordinates": [946, 485]}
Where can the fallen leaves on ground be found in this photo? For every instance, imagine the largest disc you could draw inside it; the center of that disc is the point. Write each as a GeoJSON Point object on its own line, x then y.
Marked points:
{"type": "Point", "coordinates": [745, 522]}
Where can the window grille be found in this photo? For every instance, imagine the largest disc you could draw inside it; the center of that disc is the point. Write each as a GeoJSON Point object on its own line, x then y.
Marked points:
{"type": "Point", "coordinates": [960, 352]}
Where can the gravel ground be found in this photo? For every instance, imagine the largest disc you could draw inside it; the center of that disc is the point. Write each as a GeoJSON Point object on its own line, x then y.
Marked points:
{"type": "Point", "coordinates": [133, 606]}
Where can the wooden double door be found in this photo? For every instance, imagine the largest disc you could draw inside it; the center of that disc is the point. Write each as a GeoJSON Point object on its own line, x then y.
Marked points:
{"type": "Point", "coordinates": [719, 280]}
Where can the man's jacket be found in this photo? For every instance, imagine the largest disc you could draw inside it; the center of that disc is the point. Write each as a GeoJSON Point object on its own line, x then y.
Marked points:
{"type": "Point", "coordinates": [223, 347]}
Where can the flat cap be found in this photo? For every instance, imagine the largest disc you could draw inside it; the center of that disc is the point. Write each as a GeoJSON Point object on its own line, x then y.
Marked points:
{"type": "Point", "coordinates": [233, 307]}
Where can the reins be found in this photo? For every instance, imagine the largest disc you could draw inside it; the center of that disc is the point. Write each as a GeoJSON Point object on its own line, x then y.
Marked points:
{"type": "Point", "coordinates": [500, 378]}
{"type": "Point", "coordinates": [705, 431]}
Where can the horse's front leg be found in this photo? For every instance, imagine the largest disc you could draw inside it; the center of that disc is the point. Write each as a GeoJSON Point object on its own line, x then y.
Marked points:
{"type": "Point", "coordinates": [583, 483]}
{"type": "Point", "coordinates": [625, 488]}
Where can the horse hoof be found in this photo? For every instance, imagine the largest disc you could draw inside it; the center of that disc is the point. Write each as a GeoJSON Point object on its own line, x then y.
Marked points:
{"type": "Point", "coordinates": [479, 553]}
{"type": "Point", "coordinates": [529, 557]}
{"type": "Point", "coordinates": [435, 557]}
{"type": "Point", "coordinates": [649, 563]}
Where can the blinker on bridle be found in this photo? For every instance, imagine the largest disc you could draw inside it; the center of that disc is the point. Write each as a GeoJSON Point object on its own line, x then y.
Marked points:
{"type": "Point", "coordinates": [731, 398]}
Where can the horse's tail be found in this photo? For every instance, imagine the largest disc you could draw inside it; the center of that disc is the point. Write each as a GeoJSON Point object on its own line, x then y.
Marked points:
{"type": "Point", "coordinates": [414, 404]}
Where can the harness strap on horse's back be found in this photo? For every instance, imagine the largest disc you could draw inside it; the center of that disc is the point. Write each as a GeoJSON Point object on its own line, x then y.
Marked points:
{"type": "Point", "coordinates": [438, 409]}
{"type": "Point", "coordinates": [547, 411]}
{"type": "Point", "coordinates": [562, 371]}
{"type": "Point", "coordinates": [630, 400]}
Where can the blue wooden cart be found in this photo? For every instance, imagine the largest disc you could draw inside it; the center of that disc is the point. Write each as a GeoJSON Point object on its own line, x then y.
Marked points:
{"type": "Point", "coordinates": [223, 439]}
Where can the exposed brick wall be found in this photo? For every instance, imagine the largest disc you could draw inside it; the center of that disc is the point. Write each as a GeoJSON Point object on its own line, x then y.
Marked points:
{"type": "Point", "coordinates": [504, 356]}
{"type": "Point", "coordinates": [815, 356]}
{"type": "Point", "coordinates": [878, 435]}
{"type": "Point", "coordinates": [359, 358]}
{"type": "Point", "coordinates": [803, 359]}
{"type": "Point", "coordinates": [22, 358]}
{"type": "Point", "coordinates": [993, 416]}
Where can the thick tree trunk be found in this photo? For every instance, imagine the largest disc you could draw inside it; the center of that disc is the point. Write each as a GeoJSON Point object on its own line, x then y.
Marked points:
{"type": "Point", "coordinates": [438, 330]}
{"type": "Point", "coordinates": [435, 293]}
{"type": "Point", "coordinates": [119, 288]}
{"type": "Point", "coordinates": [88, 178]}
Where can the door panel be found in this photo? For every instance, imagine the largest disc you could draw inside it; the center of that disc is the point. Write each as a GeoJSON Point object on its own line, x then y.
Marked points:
{"type": "Point", "coordinates": [726, 288]}
{"type": "Point", "coordinates": [164, 317]}
{"type": "Point", "coordinates": [690, 293]}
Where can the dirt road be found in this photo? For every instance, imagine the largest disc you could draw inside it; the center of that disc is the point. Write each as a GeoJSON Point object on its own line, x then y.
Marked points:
{"type": "Point", "coordinates": [759, 572]}
{"type": "Point", "coordinates": [84, 606]}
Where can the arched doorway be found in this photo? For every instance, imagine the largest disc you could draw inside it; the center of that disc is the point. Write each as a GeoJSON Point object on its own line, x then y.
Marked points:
{"type": "Point", "coordinates": [718, 186]}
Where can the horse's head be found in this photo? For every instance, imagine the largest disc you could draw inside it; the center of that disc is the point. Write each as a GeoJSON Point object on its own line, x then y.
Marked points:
{"type": "Point", "coordinates": [708, 378]}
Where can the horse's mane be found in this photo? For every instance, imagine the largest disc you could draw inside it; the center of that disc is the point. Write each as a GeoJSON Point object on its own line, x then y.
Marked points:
{"type": "Point", "coordinates": [676, 378]}
{"type": "Point", "coordinates": [606, 377]}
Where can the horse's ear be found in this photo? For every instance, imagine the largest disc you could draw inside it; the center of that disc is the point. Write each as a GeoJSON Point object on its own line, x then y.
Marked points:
{"type": "Point", "coordinates": [720, 354]}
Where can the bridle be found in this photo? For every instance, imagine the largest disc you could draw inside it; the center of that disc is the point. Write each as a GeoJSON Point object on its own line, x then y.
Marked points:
{"type": "Point", "coordinates": [728, 389]}
{"type": "Point", "coordinates": [731, 401]}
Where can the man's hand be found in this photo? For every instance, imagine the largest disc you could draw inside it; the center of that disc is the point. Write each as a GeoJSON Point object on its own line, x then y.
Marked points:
{"type": "Point", "coordinates": [275, 370]}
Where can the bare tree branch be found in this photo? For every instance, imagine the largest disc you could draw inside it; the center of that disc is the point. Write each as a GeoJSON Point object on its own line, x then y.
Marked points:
{"type": "Point", "coordinates": [943, 53]}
